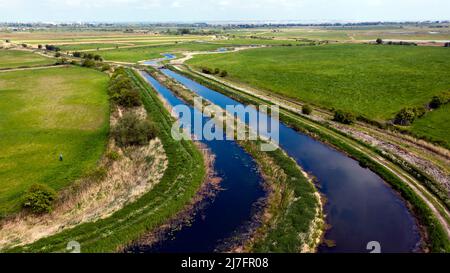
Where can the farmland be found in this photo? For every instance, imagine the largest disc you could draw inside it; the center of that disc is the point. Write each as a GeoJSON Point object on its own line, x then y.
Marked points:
{"type": "Point", "coordinates": [46, 113]}
{"type": "Point", "coordinates": [151, 52]}
{"type": "Point", "coordinates": [374, 81]}
{"type": "Point", "coordinates": [434, 125]}
{"type": "Point", "coordinates": [16, 58]}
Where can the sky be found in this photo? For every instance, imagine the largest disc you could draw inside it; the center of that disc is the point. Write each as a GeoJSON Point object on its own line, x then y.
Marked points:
{"type": "Point", "coordinates": [221, 10]}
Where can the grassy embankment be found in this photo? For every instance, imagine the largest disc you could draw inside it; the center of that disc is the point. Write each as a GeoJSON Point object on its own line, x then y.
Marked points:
{"type": "Point", "coordinates": [21, 59]}
{"type": "Point", "coordinates": [292, 220]}
{"type": "Point", "coordinates": [375, 82]}
{"type": "Point", "coordinates": [438, 239]}
{"type": "Point", "coordinates": [183, 177]}
{"type": "Point", "coordinates": [45, 113]}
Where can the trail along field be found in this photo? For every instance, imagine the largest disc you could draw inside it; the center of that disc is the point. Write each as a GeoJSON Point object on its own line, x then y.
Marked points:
{"type": "Point", "coordinates": [45, 113]}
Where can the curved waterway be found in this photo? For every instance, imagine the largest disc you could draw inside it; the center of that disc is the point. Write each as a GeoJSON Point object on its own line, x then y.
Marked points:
{"type": "Point", "coordinates": [230, 209]}
{"type": "Point", "coordinates": [360, 206]}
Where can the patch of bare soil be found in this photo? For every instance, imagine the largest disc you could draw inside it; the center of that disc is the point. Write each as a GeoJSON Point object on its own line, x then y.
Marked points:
{"type": "Point", "coordinates": [116, 182]}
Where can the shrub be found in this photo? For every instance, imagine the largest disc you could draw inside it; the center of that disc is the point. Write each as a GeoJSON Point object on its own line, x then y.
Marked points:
{"type": "Point", "coordinates": [405, 117]}
{"type": "Point", "coordinates": [216, 71]}
{"type": "Point", "coordinates": [206, 70]}
{"type": "Point", "coordinates": [61, 61]}
{"type": "Point", "coordinates": [40, 46]}
{"type": "Point", "coordinates": [39, 198]}
{"type": "Point", "coordinates": [113, 155]}
{"type": "Point", "coordinates": [447, 45]}
{"type": "Point", "coordinates": [24, 45]}
{"type": "Point", "coordinates": [98, 58]}
{"type": "Point", "coordinates": [129, 98]}
{"type": "Point", "coordinates": [88, 63]}
{"type": "Point", "coordinates": [379, 41]}
{"type": "Point", "coordinates": [344, 117]}
{"type": "Point", "coordinates": [88, 56]}
{"type": "Point", "coordinates": [57, 54]}
{"type": "Point", "coordinates": [106, 67]}
{"type": "Point", "coordinates": [130, 130]}
{"type": "Point", "coordinates": [306, 109]}
{"type": "Point", "coordinates": [223, 74]}
{"type": "Point", "coordinates": [436, 102]}
{"type": "Point", "coordinates": [7, 41]}
{"type": "Point", "coordinates": [77, 54]}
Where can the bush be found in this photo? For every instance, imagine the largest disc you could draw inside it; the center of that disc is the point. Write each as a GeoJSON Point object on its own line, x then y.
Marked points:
{"type": "Point", "coordinates": [216, 71]}
{"type": "Point", "coordinates": [405, 117]}
{"type": "Point", "coordinates": [344, 117]}
{"type": "Point", "coordinates": [379, 41]}
{"type": "Point", "coordinates": [77, 54]}
{"type": "Point", "coordinates": [40, 46]}
{"type": "Point", "coordinates": [206, 70]}
{"type": "Point", "coordinates": [24, 45]}
{"type": "Point", "coordinates": [88, 63]}
{"type": "Point", "coordinates": [106, 67]}
{"type": "Point", "coordinates": [436, 102]}
{"type": "Point", "coordinates": [447, 45]}
{"type": "Point", "coordinates": [61, 61]}
{"type": "Point", "coordinates": [129, 98]}
{"type": "Point", "coordinates": [223, 74]}
{"type": "Point", "coordinates": [306, 109]}
{"type": "Point", "coordinates": [130, 130]}
{"type": "Point", "coordinates": [39, 198]}
{"type": "Point", "coordinates": [57, 54]}
{"type": "Point", "coordinates": [98, 58]}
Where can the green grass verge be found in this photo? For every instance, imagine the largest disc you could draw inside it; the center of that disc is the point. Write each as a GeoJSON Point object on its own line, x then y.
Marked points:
{"type": "Point", "coordinates": [438, 239]}
{"type": "Point", "coordinates": [179, 184]}
{"type": "Point", "coordinates": [44, 113]}
{"type": "Point", "coordinates": [17, 59]}
{"type": "Point", "coordinates": [369, 80]}
{"type": "Point", "coordinates": [75, 47]}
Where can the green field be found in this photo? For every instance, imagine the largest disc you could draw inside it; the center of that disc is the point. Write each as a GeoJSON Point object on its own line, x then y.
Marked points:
{"type": "Point", "coordinates": [74, 47]}
{"type": "Point", "coordinates": [434, 125]}
{"type": "Point", "coordinates": [374, 81]}
{"type": "Point", "coordinates": [45, 113]}
{"type": "Point", "coordinates": [16, 58]}
{"type": "Point", "coordinates": [151, 52]}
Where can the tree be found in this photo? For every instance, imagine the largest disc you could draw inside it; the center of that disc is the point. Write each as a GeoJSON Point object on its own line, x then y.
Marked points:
{"type": "Point", "coordinates": [307, 109]}
{"type": "Point", "coordinates": [130, 130]}
{"type": "Point", "coordinates": [379, 41]}
{"type": "Point", "coordinates": [405, 117]}
{"type": "Point", "coordinates": [98, 58]}
{"type": "Point", "coordinates": [344, 117]}
{"type": "Point", "coordinates": [57, 54]}
{"type": "Point", "coordinates": [39, 198]}
{"type": "Point", "coordinates": [8, 41]}
{"type": "Point", "coordinates": [77, 54]}
{"type": "Point", "coordinates": [40, 46]}
{"type": "Point", "coordinates": [447, 45]}
{"type": "Point", "coordinates": [24, 45]}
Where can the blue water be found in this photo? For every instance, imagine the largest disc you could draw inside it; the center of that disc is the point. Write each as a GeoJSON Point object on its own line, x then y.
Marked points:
{"type": "Point", "coordinates": [361, 207]}
{"type": "Point", "coordinates": [167, 56]}
{"type": "Point", "coordinates": [230, 209]}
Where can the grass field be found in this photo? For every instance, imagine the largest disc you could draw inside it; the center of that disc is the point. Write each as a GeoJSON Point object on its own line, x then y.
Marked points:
{"type": "Point", "coordinates": [44, 113]}
{"type": "Point", "coordinates": [17, 58]}
{"type": "Point", "coordinates": [179, 185]}
{"type": "Point", "coordinates": [74, 47]}
{"type": "Point", "coordinates": [374, 81]}
{"type": "Point", "coordinates": [152, 52]}
{"type": "Point", "coordinates": [434, 125]}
